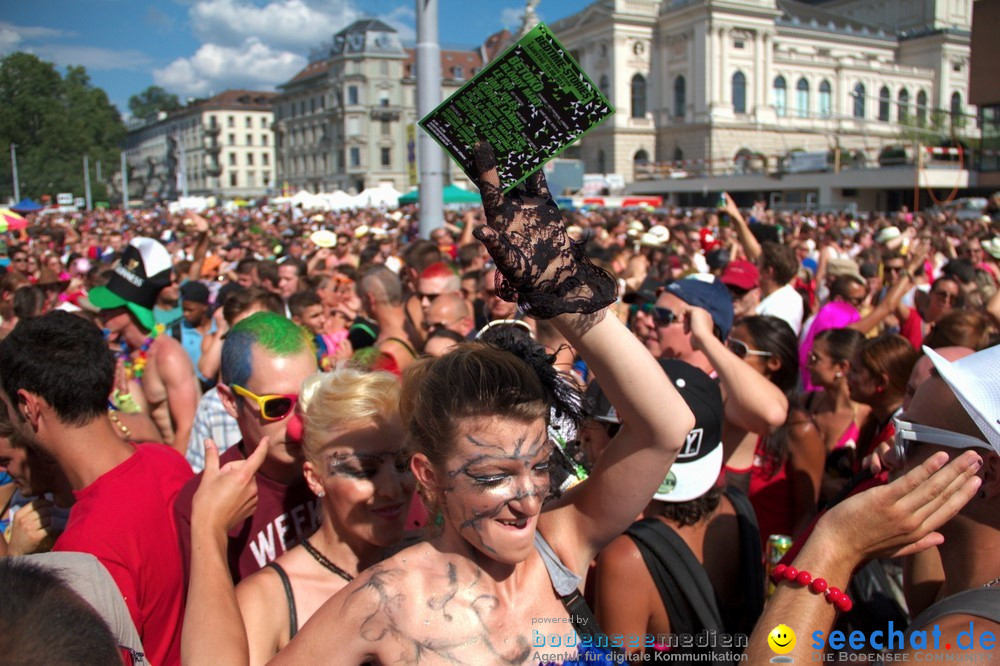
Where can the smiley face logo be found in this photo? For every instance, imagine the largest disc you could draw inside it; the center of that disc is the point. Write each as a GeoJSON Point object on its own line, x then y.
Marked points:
{"type": "Point", "coordinates": [781, 640]}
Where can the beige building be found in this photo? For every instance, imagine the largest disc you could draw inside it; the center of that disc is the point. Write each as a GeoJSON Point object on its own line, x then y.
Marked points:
{"type": "Point", "coordinates": [767, 87]}
{"type": "Point", "coordinates": [221, 146]}
{"type": "Point", "coordinates": [348, 120]}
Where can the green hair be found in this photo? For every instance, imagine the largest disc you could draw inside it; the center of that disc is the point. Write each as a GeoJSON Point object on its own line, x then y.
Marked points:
{"type": "Point", "coordinates": [271, 332]}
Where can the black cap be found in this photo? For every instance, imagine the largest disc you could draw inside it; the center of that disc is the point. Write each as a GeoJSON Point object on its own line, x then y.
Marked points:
{"type": "Point", "coordinates": [194, 292]}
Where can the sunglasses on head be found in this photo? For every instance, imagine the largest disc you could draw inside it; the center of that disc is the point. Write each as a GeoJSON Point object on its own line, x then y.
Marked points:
{"type": "Point", "coordinates": [908, 434]}
{"type": "Point", "coordinates": [742, 350]}
{"type": "Point", "coordinates": [662, 316]}
{"type": "Point", "coordinates": [272, 407]}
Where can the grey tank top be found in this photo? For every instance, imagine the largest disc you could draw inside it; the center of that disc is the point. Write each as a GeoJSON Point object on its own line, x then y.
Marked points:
{"type": "Point", "coordinates": [564, 581]}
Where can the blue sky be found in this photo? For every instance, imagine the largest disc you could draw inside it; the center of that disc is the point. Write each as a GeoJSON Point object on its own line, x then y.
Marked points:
{"type": "Point", "coordinates": [200, 47]}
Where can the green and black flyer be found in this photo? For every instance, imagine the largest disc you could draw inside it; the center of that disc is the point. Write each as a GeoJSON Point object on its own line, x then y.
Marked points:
{"type": "Point", "coordinates": [530, 103]}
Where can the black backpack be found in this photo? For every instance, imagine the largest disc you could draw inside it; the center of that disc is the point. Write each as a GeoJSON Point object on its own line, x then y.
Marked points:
{"type": "Point", "coordinates": [685, 588]}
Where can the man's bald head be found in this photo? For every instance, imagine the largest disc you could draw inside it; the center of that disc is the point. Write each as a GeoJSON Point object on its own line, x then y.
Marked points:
{"type": "Point", "coordinates": [452, 311]}
{"type": "Point", "coordinates": [936, 405]}
{"type": "Point", "coordinates": [923, 368]}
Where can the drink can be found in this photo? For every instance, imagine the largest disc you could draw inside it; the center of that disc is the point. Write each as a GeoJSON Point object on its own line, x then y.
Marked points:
{"type": "Point", "coordinates": [722, 200]}
{"type": "Point", "coordinates": [777, 546]}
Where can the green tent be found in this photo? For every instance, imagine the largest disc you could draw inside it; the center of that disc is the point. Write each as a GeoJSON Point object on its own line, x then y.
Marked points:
{"type": "Point", "coordinates": [453, 194]}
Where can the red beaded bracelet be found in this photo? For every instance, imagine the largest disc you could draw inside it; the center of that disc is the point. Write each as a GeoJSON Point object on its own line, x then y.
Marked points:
{"type": "Point", "coordinates": [816, 585]}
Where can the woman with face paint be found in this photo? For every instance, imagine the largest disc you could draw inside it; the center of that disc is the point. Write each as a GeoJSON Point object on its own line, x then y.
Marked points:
{"type": "Point", "coordinates": [499, 580]}
{"type": "Point", "coordinates": [356, 467]}
{"type": "Point", "coordinates": [495, 581]}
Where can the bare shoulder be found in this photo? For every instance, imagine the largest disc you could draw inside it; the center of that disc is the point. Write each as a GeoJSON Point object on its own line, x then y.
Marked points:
{"type": "Point", "coordinates": [261, 589]}
{"type": "Point", "coordinates": [621, 556]}
{"type": "Point", "coordinates": [964, 634]}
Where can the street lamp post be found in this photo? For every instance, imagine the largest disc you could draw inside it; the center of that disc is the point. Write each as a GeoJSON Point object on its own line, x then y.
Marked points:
{"type": "Point", "coordinates": [13, 166]}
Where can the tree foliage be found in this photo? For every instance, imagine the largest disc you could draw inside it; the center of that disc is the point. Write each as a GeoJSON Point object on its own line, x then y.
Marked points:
{"type": "Point", "coordinates": [55, 120]}
{"type": "Point", "coordinates": [151, 101]}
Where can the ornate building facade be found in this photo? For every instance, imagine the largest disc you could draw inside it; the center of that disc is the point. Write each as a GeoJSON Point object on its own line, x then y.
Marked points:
{"type": "Point", "coordinates": [348, 120]}
{"type": "Point", "coordinates": [740, 86]}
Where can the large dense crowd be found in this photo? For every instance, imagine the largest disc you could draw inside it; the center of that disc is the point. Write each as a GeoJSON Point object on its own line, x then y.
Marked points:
{"type": "Point", "coordinates": [536, 436]}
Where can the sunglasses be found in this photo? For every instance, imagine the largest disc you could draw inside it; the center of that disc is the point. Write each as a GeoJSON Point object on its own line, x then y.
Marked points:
{"type": "Point", "coordinates": [662, 316]}
{"type": "Point", "coordinates": [432, 325]}
{"type": "Point", "coordinates": [909, 433]}
{"type": "Point", "coordinates": [742, 350]}
{"type": "Point", "coordinates": [272, 407]}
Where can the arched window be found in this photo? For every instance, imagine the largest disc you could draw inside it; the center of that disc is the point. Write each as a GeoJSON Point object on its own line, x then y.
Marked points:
{"type": "Point", "coordinates": [802, 98]}
{"type": "Point", "coordinates": [780, 96]}
{"type": "Point", "coordinates": [884, 101]}
{"type": "Point", "coordinates": [601, 162]}
{"type": "Point", "coordinates": [640, 160]}
{"type": "Point", "coordinates": [739, 93]}
{"type": "Point", "coordinates": [680, 96]}
{"type": "Point", "coordinates": [678, 154]}
{"type": "Point", "coordinates": [825, 99]}
{"type": "Point", "coordinates": [921, 108]}
{"type": "Point", "coordinates": [638, 96]}
{"type": "Point", "coordinates": [903, 103]}
{"type": "Point", "coordinates": [859, 100]}
{"type": "Point", "coordinates": [956, 106]}
{"type": "Point", "coordinates": [604, 85]}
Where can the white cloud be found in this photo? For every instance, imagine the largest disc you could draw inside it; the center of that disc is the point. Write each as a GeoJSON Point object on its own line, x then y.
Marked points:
{"type": "Point", "coordinates": [293, 25]}
{"type": "Point", "coordinates": [214, 68]}
{"type": "Point", "coordinates": [93, 57]}
{"type": "Point", "coordinates": [510, 17]}
{"type": "Point", "coordinates": [20, 37]}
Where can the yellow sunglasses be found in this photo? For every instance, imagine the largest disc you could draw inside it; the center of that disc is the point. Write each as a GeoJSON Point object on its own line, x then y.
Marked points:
{"type": "Point", "coordinates": [272, 407]}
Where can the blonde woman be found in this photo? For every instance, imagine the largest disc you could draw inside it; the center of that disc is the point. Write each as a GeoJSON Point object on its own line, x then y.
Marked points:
{"type": "Point", "coordinates": [352, 440]}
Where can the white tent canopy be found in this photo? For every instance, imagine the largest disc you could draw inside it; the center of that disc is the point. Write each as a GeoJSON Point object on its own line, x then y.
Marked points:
{"type": "Point", "coordinates": [383, 196]}
{"type": "Point", "coordinates": [338, 200]}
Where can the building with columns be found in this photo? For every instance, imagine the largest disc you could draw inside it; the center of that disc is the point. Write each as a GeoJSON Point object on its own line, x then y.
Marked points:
{"type": "Point", "coordinates": [707, 91]}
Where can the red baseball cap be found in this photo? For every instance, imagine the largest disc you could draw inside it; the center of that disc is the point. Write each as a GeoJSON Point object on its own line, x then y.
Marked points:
{"type": "Point", "coordinates": [741, 274]}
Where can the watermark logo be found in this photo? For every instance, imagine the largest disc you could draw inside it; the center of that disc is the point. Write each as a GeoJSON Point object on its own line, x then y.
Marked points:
{"type": "Point", "coordinates": [781, 640]}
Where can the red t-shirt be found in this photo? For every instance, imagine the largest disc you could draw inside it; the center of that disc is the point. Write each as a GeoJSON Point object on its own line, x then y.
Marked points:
{"type": "Point", "coordinates": [284, 516]}
{"type": "Point", "coordinates": [124, 519]}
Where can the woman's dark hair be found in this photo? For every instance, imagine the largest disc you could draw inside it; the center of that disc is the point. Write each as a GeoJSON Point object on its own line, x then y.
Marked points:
{"type": "Point", "coordinates": [958, 328]}
{"type": "Point", "coordinates": [478, 379]}
{"type": "Point", "coordinates": [774, 335]}
{"type": "Point", "coordinates": [893, 356]}
{"type": "Point", "coordinates": [841, 343]}
{"type": "Point", "coordinates": [28, 302]}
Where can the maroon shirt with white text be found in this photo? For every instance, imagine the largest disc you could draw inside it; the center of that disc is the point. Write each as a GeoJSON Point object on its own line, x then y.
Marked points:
{"type": "Point", "coordinates": [285, 515]}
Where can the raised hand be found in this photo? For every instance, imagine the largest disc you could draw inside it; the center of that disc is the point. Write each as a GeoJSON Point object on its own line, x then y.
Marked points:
{"type": "Point", "coordinates": [543, 270]}
{"type": "Point", "coordinates": [900, 518]}
{"type": "Point", "coordinates": [227, 495]}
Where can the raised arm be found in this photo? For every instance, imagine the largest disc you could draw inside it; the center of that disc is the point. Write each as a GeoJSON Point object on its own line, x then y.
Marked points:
{"type": "Point", "coordinates": [548, 276]}
{"type": "Point", "coordinates": [213, 626]}
{"type": "Point", "coordinates": [752, 401]}
{"type": "Point", "coordinates": [751, 247]}
{"type": "Point", "coordinates": [885, 521]}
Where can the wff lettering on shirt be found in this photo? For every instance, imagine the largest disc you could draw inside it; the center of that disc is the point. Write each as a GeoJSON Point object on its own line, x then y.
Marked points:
{"type": "Point", "coordinates": [286, 531]}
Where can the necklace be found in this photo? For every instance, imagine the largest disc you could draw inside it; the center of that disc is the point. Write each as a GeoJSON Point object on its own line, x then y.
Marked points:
{"type": "Point", "coordinates": [319, 557]}
{"type": "Point", "coordinates": [134, 367]}
{"type": "Point", "coordinates": [992, 582]}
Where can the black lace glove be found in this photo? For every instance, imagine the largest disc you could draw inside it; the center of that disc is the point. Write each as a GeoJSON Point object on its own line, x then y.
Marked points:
{"type": "Point", "coordinates": [539, 267]}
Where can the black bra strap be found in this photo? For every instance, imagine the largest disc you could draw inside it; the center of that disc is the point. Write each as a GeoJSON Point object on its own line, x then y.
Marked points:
{"type": "Point", "coordinates": [293, 620]}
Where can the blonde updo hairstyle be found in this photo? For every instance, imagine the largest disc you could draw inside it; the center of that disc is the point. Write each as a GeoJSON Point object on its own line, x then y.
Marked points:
{"type": "Point", "coordinates": [347, 396]}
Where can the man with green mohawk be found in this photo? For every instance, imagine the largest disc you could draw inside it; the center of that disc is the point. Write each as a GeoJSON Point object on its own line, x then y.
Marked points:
{"type": "Point", "coordinates": [265, 359]}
